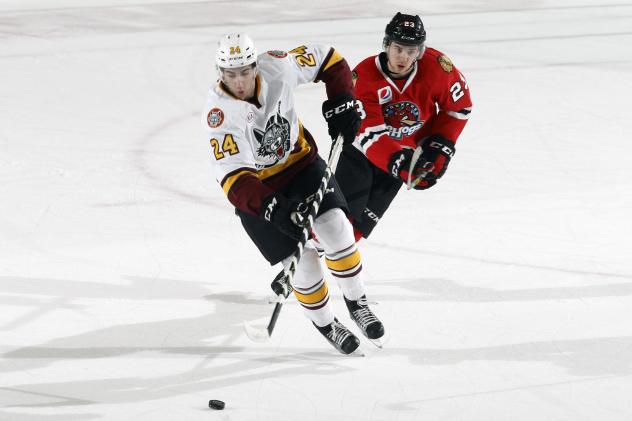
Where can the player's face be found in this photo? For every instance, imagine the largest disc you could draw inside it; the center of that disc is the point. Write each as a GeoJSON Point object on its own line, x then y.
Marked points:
{"type": "Point", "coordinates": [240, 81]}
{"type": "Point", "coordinates": [401, 57]}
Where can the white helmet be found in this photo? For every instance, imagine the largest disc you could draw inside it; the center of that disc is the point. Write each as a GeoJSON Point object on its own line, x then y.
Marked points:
{"type": "Point", "coordinates": [235, 50]}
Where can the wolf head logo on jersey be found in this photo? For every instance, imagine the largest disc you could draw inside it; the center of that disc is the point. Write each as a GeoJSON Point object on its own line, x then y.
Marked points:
{"type": "Point", "coordinates": [402, 119]}
{"type": "Point", "coordinates": [275, 140]}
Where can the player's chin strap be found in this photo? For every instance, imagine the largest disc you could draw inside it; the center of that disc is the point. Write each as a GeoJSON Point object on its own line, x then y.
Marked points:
{"type": "Point", "coordinates": [282, 283]}
{"type": "Point", "coordinates": [420, 175]}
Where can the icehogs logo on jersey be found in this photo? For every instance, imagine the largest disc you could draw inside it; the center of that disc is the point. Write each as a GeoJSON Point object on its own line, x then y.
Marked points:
{"type": "Point", "coordinates": [215, 118]}
{"type": "Point", "coordinates": [275, 140]}
{"type": "Point", "coordinates": [402, 119]}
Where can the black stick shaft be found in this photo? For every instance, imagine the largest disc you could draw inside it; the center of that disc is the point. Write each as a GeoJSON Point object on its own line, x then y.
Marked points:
{"type": "Point", "coordinates": [296, 257]}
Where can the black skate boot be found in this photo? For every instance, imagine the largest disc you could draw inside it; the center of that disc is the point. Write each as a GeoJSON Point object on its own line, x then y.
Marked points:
{"type": "Point", "coordinates": [340, 337]}
{"type": "Point", "coordinates": [362, 315]}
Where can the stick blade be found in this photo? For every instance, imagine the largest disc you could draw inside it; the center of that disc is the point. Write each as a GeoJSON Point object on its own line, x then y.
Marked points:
{"type": "Point", "coordinates": [256, 333]}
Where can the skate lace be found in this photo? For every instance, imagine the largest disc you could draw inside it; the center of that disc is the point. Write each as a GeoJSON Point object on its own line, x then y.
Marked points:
{"type": "Point", "coordinates": [364, 317]}
{"type": "Point", "coordinates": [338, 333]}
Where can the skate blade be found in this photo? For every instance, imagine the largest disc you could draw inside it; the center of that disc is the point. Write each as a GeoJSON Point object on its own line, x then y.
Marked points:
{"type": "Point", "coordinates": [255, 333]}
{"type": "Point", "coordinates": [356, 353]}
{"type": "Point", "coordinates": [379, 342]}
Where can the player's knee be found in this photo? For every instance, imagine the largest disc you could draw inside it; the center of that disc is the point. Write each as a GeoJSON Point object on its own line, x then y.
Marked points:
{"type": "Point", "coordinates": [308, 271]}
{"type": "Point", "coordinates": [334, 229]}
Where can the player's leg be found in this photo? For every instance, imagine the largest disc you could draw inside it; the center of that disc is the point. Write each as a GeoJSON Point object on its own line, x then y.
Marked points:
{"type": "Point", "coordinates": [309, 283]}
{"type": "Point", "coordinates": [355, 178]}
{"type": "Point", "coordinates": [312, 293]}
{"type": "Point", "coordinates": [384, 188]}
{"type": "Point", "coordinates": [335, 235]}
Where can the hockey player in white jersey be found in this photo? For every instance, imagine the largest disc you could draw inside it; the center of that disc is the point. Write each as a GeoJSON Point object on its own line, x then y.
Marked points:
{"type": "Point", "coordinates": [268, 165]}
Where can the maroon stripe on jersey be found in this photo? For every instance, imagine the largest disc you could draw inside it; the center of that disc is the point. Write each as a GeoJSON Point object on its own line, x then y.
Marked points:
{"type": "Point", "coordinates": [238, 170]}
{"type": "Point", "coordinates": [337, 79]}
{"type": "Point", "coordinates": [325, 61]}
{"type": "Point", "coordinates": [282, 178]}
{"type": "Point", "coordinates": [247, 194]}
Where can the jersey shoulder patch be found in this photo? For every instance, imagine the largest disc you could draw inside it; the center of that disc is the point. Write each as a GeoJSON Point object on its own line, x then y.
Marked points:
{"type": "Point", "coordinates": [445, 63]}
{"type": "Point", "coordinates": [354, 76]}
{"type": "Point", "coordinates": [215, 117]}
{"type": "Point", "coordinates": [433, 57]}
{"type": "Point", "coordinates": [277, 53]}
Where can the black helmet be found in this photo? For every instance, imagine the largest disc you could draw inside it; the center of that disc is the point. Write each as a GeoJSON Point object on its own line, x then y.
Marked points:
{"type": "Point", "coordinates": [405, 29]}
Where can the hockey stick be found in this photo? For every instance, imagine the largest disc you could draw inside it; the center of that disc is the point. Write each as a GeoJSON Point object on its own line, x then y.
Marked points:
{"type": "Point", "coordinates": [282, 284]}
{"type": "Point", "coordinates": [410, 183]}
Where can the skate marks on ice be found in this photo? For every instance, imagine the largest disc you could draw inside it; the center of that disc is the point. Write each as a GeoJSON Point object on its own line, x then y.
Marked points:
{"type": "Point", "coordinates": [211, 342]}
{"type": "Point", "coordinates": [45, 295]}
{"type": "Point", "coordinates": [245, 368]}
{"type": "Point", "coordinates": [414, 405]}
{"type": "Point", "coordinates": [150, 162]}
{"type": "Point", "coordinates": [438, 290]}
{"type": "Point", "coordinates": [588, 357]}
{"type": "Point", "coordinates": [562, 270]}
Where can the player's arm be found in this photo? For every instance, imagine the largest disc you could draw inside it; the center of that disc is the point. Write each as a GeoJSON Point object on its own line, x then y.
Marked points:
{"type": "Point", "coordinates": [235, 170]}
{"type": "Point", "coordinates": [236, 173]}
{"type": "Point", "coordinates": [454, 106]}
{"type": "Point", "coordinates": [323, 63]}
{"type": "Point", "coordinates": [373, 137]}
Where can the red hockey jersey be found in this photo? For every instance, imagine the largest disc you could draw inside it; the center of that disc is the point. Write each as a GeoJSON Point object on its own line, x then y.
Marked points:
{"type": "Point", "coordinates": [434, 99]}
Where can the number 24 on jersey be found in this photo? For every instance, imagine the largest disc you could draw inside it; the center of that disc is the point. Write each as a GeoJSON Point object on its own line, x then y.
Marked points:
{"type": "Point", "coordinates": [228, 146]}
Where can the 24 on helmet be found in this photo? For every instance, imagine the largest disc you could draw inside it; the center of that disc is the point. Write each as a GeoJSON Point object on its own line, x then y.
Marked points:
{"type": "Point", "coordinates": [235, 50]}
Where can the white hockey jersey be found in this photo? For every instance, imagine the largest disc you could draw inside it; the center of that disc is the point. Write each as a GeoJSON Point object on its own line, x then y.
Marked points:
{"type": "Point", "coordinates": [264, 137]}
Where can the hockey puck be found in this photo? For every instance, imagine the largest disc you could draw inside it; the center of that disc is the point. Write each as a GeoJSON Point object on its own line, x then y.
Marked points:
{"type": "Point", "coordinates": [216, 404]}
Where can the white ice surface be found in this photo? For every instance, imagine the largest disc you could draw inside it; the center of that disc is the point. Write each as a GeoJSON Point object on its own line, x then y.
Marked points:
{"type": "Point", "coordinates": [125, 276]}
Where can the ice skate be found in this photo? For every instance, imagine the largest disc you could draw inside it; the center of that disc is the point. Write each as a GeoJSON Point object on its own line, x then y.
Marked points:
{"type": "Point", "coordinates": [340, 337]}
{"type": "Point", "coordinates": [368, 323]}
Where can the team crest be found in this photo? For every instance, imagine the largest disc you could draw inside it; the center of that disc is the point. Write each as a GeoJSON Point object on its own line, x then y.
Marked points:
{"type": "Point", "coordinates": [402, 119]}
{"type": "Point", "coordinates": [277, 53]}
{"type": "Point", "coordinates": [275, 140]}
{"type": "Point", "coordinates": [446, 64]}
{"type": "Point", "coordinates": [215, 118]}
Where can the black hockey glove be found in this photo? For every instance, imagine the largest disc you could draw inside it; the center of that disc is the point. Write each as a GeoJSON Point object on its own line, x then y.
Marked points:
{"type": "Point", "coordinates": [342, 117]}
{"type": "Point", "coordinates": [438, 150]}
{"type": "Point", "coordinates": [289, 216]}
{"type": "Point", "coordinates": [401, 165]}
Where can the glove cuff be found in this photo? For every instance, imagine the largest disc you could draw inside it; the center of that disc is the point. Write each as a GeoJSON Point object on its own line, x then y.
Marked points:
{"type": "Point", "coordinates": [439, 144]}
{"type": "Point", "coordinates": [399, 163]}
{"type": "Point", "coordinates": [338, 105]}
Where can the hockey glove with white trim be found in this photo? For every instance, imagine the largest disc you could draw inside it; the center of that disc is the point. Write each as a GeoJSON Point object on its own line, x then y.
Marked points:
{"type": "Point", "coordinates": [289, 216]}
{"type": "Point", "coordinates": [404, 165]}
{"type": "Point", "coordinates": [342, 117]}
{"type": "Point", "coordinates": [438, 150]}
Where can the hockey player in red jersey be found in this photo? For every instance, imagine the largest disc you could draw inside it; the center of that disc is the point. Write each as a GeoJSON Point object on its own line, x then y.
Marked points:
{"type": "Point", "coordinates": [414, 103]}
